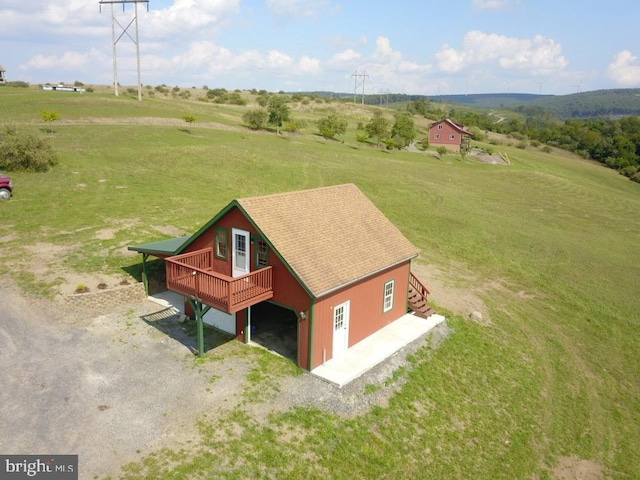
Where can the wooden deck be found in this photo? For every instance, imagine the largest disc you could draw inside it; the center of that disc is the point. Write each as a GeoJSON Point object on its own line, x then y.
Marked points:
{"type": "Point", "coordinates": [191, 275]}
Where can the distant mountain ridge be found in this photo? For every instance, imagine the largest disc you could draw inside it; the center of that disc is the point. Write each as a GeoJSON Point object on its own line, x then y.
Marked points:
{"type": "Point", "coordinates": [597, 103]}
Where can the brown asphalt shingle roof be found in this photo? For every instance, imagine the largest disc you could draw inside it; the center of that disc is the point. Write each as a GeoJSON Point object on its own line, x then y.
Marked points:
{"type": "Point", "coordinates": [329, 236]}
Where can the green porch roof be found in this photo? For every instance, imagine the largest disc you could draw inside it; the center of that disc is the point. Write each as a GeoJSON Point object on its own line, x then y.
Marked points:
{"type": "Point", "coordinates": [170, 246]}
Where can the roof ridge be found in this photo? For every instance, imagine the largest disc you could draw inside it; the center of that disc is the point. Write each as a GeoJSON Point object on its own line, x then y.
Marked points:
{"type": "Point", "coordinates": [299, 192]}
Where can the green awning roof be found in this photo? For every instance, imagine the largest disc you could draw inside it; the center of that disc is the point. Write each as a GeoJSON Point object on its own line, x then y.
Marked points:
{"type": "Point", "coordinates": [167, 247]}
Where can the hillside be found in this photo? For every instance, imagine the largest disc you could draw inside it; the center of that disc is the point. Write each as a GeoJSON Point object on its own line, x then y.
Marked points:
{"type": "Point", "coordinates": [599, 103]}
{"type": "Point", "coordinates": [545, 386]}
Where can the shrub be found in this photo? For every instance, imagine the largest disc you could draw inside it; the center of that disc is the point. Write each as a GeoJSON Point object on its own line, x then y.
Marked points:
{"type": "Point", "coordinates": [331, 125]}
{"type": "Point", "coordinates": [25, 150]}
{"type": "Point", "coordinates": [292, 126]}
{"type": "Point", "coordinates": [256, 118]}
{"type": "Point", "coordinates": [522, 144]}
{"type": "Point", "coordinates": [361, 138]}
{"type": "Point", "coordinates": [441, 151]}
{"type": "Point", "coordinates": [547, 149]}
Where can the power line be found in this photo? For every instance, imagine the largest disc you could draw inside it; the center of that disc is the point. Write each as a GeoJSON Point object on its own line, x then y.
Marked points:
{"type": "Point", "coordinates": [125, 31]}
{"type": "Point", "coordinates": [356, 84]}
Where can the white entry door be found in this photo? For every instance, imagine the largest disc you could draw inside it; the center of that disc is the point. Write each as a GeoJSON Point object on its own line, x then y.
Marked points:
{"type": "Point", "coordinates": [240, 252]}
{"type": "Point", "coordinates": [340, 330]}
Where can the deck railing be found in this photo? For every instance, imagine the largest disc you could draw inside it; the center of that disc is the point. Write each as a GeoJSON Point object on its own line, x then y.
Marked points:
{"type": "Point", "coordinates": [191, 274]}
{"type": "Point", "coordinates": [418, 286]}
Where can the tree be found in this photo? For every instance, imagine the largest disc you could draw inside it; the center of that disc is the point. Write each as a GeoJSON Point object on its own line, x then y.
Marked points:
{"type": "Point", "coordinates": [331, 126]}
{"type": "Point", "coordinates": [404, 129]}
{"type": "Point", "coordinates": [278, 111]}
{"type": "Point", "coordinates": [49, 116]}
{"type": "Point", "coordinates": [378, 127]}
{"type": "Point", "coordinates": [189, 119]}
{"type": "Point", "coordinates": [25, 150]}
{"type": "Point", "coordinates": [256, 118]}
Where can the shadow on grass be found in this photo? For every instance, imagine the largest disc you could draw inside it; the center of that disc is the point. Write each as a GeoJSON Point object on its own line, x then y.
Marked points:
{"type": "Point", "coordinates": [167, 321]}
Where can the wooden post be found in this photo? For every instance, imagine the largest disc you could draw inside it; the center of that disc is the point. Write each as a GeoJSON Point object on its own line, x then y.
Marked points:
{"type": "Point", "coordinates": [145, 278]}
{"type": "Point", "coordinates": [199, 309]}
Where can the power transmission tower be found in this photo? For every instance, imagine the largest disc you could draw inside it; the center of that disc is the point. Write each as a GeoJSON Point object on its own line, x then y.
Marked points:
{"type": "Point", "coordinates": [356, 84]}
{"type": "Point", "coordinates": [125, 31]}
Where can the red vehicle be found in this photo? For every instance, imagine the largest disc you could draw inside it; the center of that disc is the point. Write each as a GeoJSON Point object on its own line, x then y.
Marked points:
{"type": "Point", "coordinates": [6, 187]}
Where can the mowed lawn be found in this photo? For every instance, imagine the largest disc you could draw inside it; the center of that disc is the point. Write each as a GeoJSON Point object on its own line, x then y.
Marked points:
{"type": "Point", "coordinates": [550, 243]}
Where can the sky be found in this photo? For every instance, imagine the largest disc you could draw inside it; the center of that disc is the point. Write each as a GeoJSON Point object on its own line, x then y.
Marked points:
{"type": "Point", "coordinates": [420, 47]}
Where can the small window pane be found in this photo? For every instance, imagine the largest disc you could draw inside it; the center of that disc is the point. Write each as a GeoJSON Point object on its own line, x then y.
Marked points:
{"type": "Point", "coordinates": [388, 296]}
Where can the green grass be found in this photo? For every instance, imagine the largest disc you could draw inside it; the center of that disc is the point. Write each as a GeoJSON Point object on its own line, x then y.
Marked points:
{"type": "Point", "coordinates": [550, 243]}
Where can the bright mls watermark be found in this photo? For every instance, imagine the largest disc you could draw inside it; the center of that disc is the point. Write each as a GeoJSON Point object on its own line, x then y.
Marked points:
{"type": "Point", "coordinates": [47, 467]}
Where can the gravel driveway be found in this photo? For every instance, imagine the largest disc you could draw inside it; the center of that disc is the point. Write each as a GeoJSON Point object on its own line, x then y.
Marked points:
{"type": "Point", "coordinates": [114, 388]}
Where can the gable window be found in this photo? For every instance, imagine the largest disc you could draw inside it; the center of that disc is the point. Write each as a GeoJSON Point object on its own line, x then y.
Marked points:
{"type": "Point", "coordinates": [222, 243]}
{"type": "Point", "coordinates": [262, 253]}
{"type": "Point", "coordinates": [388, 296]}
{"type": "Point", "coordinates": [452, 137]}
{"type": "Point", "coordinates": [440, 127]}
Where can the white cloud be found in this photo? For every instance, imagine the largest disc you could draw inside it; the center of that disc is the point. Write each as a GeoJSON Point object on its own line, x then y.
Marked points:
{"type": "Point", "coordinates": [538, 55]}
{"type": "Point", "coordinates": [625, 68]}
{"type": "Point", "coordinates": [344, 58]}
{"type": "Point", "coordinates": [63, 62]}
{"type": "Point", "coordinates": [493, 4]}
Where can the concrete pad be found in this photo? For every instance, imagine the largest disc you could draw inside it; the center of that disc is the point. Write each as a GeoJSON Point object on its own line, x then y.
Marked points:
{"type": "Point", "coordinates": [169, 299]}
{"type": "Point", "coordinates": [374, 349]}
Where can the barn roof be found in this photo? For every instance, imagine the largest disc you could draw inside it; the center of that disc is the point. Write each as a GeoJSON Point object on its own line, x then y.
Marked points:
{"type": "Point", "coordinates": [456, 126]}
{"type": "Point", "coordinates": [330, 237]}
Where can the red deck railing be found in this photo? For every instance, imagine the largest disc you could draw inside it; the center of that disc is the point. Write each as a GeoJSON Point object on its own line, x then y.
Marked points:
{"type": "Point", "coordinates": [191, 274]}
{"type": "Point", "coordinates": [418, 286]}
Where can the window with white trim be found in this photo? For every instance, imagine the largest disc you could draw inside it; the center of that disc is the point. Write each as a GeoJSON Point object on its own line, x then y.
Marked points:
{"type": "Point", "coordinates": [388, 296]}
{"type": "Point", "coordinates": [440, 127]}
{"type": "Point", "coordinates": [436, 136]}
{"type": "Point", "coordinates": [452, 137]}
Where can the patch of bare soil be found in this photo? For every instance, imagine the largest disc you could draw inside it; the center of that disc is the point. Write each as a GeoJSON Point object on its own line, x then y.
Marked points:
{"type": "Point", "coordinates": [494, 158]}
{"type": "Point", "coordinates": [575, 468]}
{"type": "Point", "coordinates": [448, 290]}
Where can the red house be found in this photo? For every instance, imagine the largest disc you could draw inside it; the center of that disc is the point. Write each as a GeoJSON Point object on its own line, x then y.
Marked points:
{"type": "Point", "coordinates": [449, 134]}
{"type": "Point", "coordinates": [327, 255]}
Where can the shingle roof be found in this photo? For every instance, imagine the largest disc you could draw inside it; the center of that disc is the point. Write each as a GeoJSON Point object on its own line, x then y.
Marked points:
{"type": "Point", "coordinates": [456, 126]}
{"type": "Point", "coordinates": [329, 236]}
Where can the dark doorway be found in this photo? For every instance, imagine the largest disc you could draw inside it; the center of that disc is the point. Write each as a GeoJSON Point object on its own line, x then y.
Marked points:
{"type": "Point", "coordinates": [276, 329]}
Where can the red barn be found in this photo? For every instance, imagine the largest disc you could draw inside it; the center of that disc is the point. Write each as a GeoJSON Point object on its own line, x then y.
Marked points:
{"type": "Point", "coordinates": [327, 255]}
{"type": "Point", "coordinates": [449, 134]}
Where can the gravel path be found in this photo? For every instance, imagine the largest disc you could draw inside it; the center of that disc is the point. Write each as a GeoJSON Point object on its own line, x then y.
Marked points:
{"type": "Point", "coordinates": [114, 388]}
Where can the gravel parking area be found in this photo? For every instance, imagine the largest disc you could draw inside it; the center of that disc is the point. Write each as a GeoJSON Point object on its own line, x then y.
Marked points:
{"type": "Point", "coordinates": [113, 388]}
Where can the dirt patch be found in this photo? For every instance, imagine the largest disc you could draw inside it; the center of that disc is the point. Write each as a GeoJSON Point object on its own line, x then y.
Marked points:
{"type": "Point", "coordinates": [575, 468]}
{"type": "Point", "coordinates": [451, 290]}
{"type": "Point", "coordinates": [493, 158]}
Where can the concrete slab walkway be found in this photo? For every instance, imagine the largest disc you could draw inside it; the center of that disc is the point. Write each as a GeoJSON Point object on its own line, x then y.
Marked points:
{"type": "Point", "coordinates": [374, 349]}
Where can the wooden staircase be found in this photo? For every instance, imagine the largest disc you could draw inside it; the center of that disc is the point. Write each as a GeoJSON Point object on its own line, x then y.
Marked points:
{"type": "Point", "coordinates": [417, 298]}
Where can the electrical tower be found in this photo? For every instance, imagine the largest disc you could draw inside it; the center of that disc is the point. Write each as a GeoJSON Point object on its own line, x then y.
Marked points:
{"type": "Point", "coordinates": [125, 31]}
{"type": "Point", "coordinates": [356, 84]}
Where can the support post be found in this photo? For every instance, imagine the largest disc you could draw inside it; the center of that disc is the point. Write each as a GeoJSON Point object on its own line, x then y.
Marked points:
{"type": "Point", "coordinates": [145, 277]}
{"type": "Point", "coordinates": [199, 309]}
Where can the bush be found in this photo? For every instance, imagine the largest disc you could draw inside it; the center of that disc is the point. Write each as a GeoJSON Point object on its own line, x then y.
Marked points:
{"type": "Point", "coordinates": [331, 125]}
{"type": "Point", "coordinates": [256, 118]}
{"type": "Point", "coordinates": [25, 150]}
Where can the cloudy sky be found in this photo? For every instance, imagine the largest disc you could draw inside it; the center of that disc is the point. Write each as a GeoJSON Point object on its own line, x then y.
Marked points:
{"type": "Point", "coordinates": [411, 46]}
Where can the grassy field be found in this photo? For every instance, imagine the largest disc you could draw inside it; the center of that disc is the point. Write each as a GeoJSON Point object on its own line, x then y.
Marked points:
{"type": "Point", "coordinates": [550, 243]}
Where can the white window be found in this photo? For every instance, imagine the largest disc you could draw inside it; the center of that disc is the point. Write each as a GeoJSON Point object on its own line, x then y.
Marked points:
{"type": "Point", "coordinates": [452, 137]}
{"type": "Point", "coordinates": [388, 296]}
{"type": "Point", "coordinates": [440, 127]}
{"type": "Point", "coordinates": [436, 136]}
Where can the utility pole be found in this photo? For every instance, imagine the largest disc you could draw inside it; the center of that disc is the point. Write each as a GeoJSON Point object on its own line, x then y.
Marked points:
{"type": "Point", "coordinates": [356, 84]}
{"type": "Point", "coordinates": [115, 40]}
